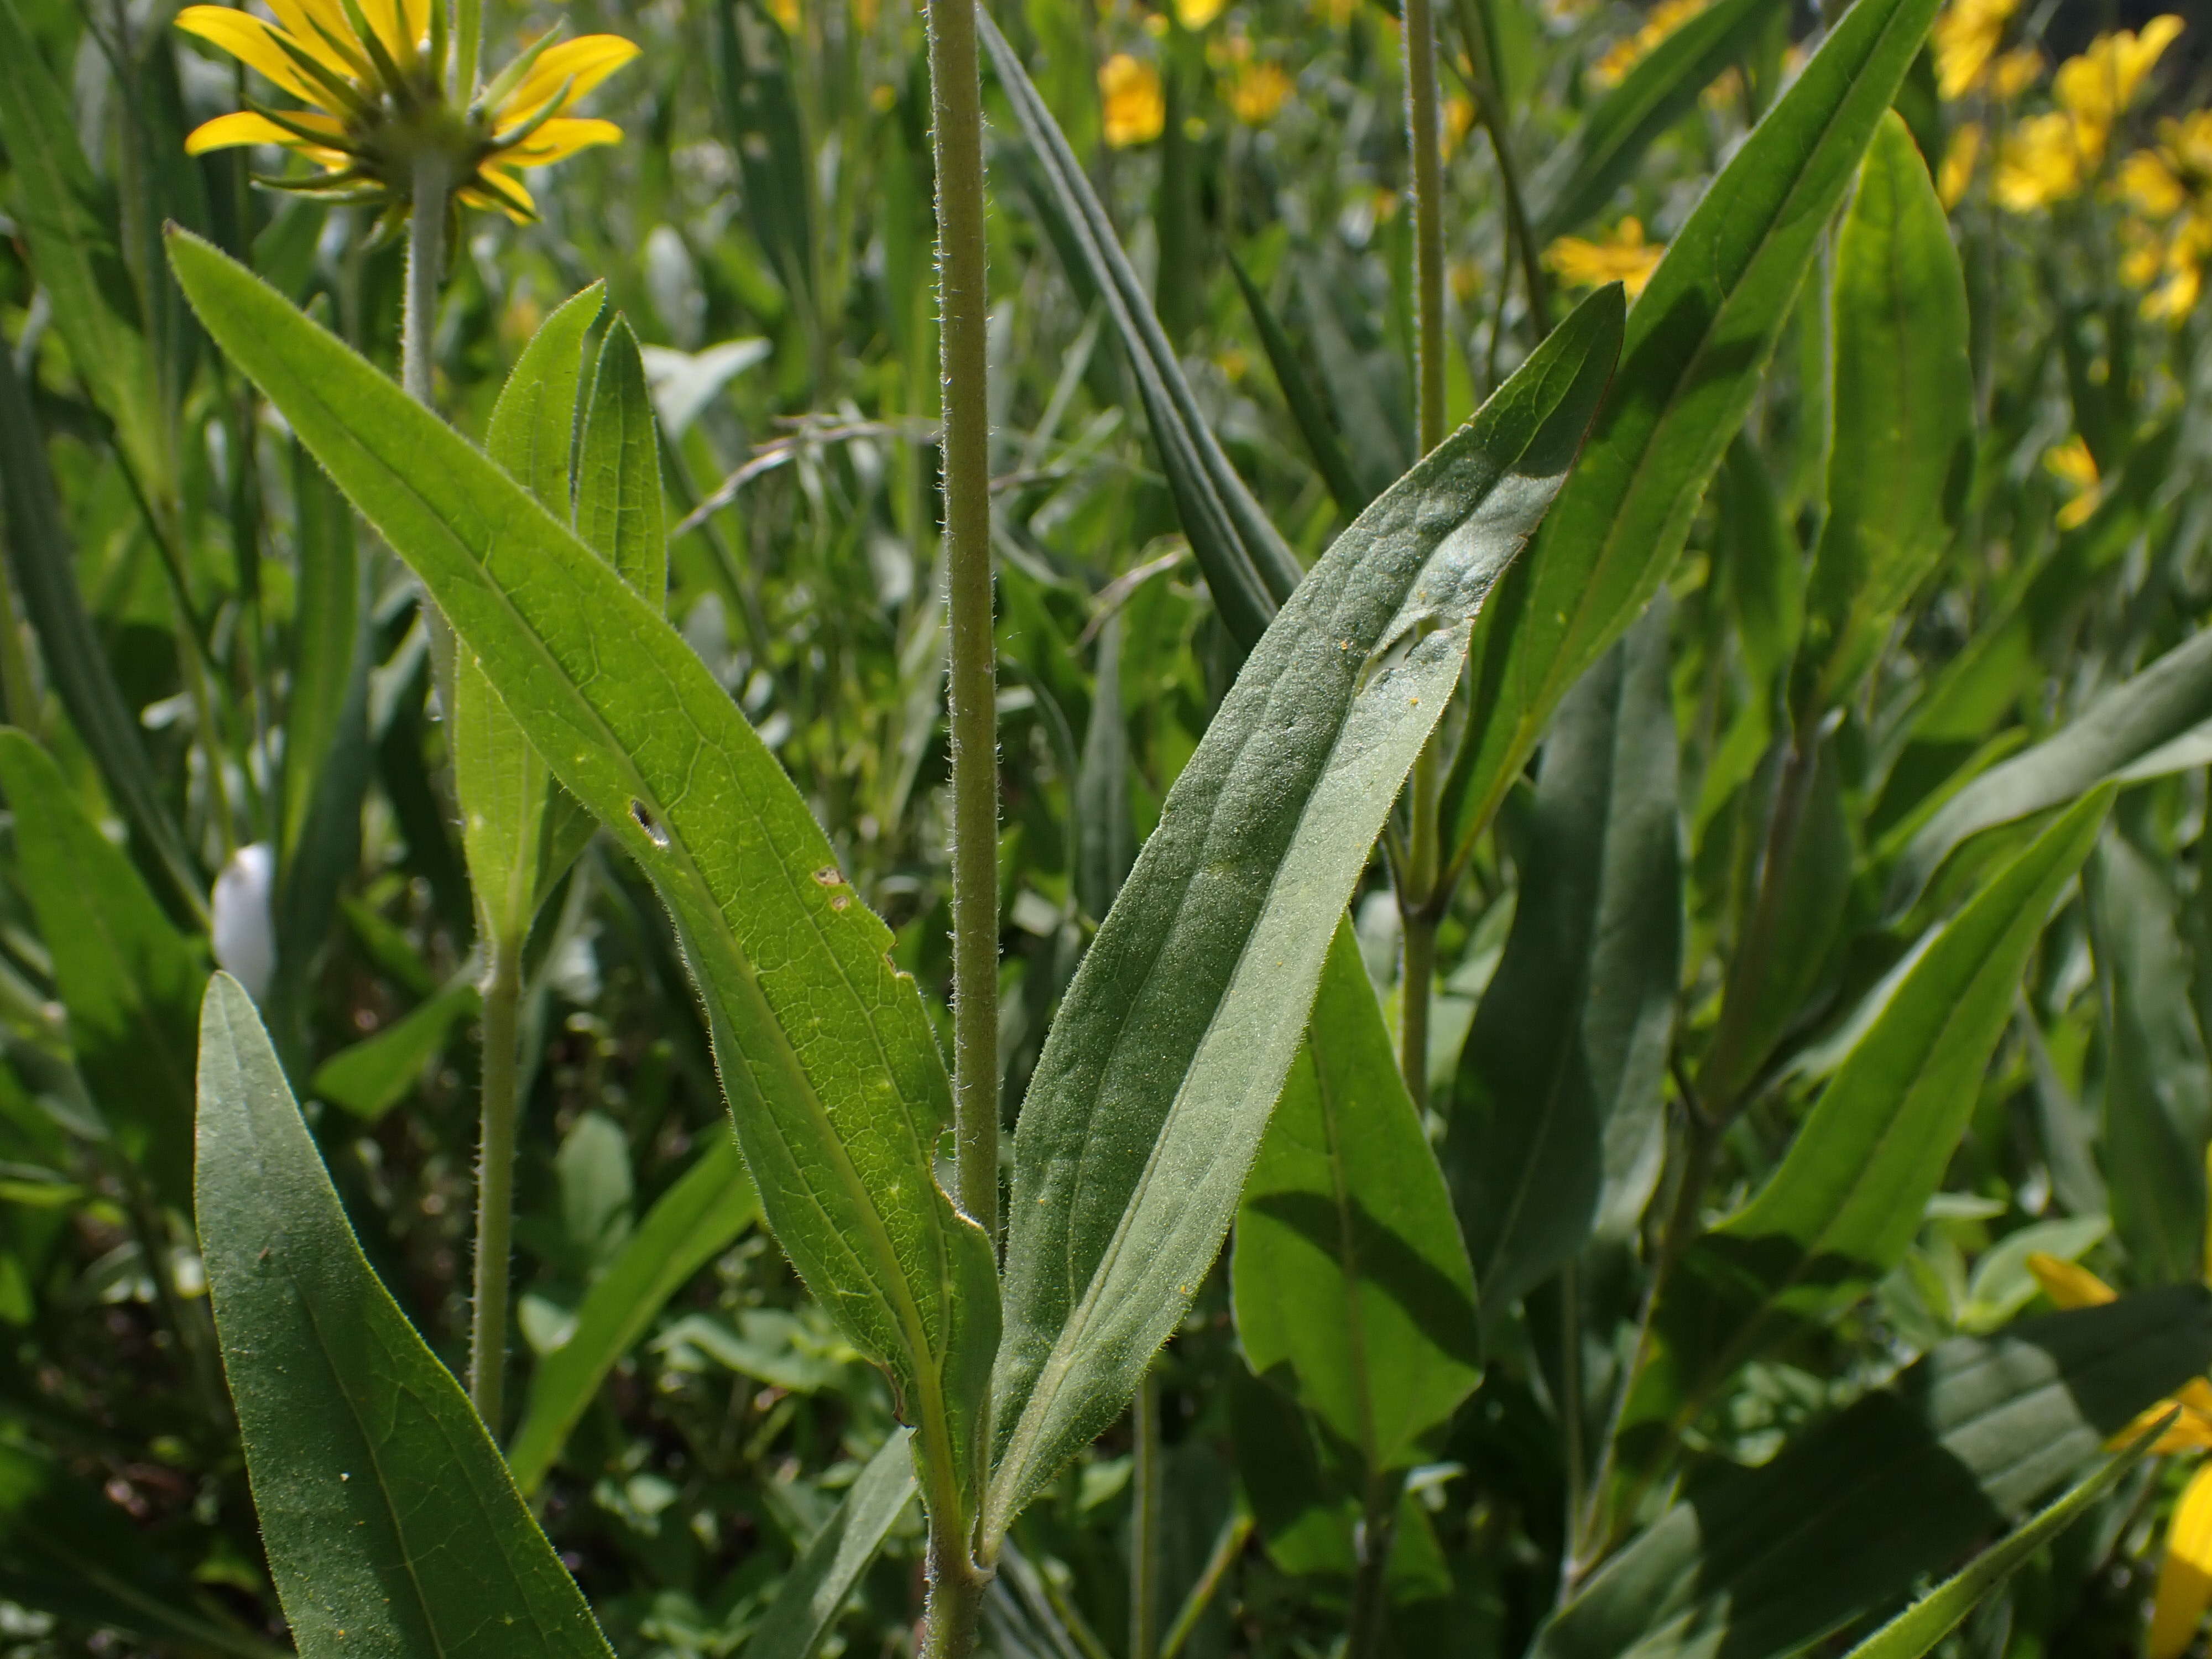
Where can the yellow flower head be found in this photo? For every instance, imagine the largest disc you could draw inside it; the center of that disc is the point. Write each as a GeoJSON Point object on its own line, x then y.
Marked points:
{"type": "Point", "coordinates": [1666, 17]}
{"type": "Point", "coordinates": [1136, 109]}
{"type": "Point", "coordinates": [373, 74]}
{"type": "Point", "coordinates": [2094, 88]}
{"type": "Point", "coordinates": [2047, 158]}
{"type": "Point", "coordinates": [2073, 465]}
{"type": "Point", "coordinates": [1966, 37]}
{"type": "Point", "coordinates": [1197, 14]}
{"type": "Point", "coordinates": [1625, 258]}
{"type": "Point", "coordinates": [2169, 186]}
{"type": "Point", "coordinates": [1258, 90]}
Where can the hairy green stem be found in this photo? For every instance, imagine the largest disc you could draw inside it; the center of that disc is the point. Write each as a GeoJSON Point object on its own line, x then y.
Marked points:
{"type": "Point", "coordinates": [1145, 1496]}
{"type": "Point", "coordinates": [502, 1009]}
{"type": "Point", "coordinates": [956, 97]}
{"type": "Point", "coordinates": [1371, 1589]}
{"type": "Point", "coordinates": [956, 92]}
{"type": "Point", "coordinates": [426, 269]}
{"type": "Point", "coordinates": [1420, 902]}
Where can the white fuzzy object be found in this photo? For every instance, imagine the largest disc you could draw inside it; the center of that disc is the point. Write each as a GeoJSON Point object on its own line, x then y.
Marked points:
{"type": "Point", "coordinates": [245, 929]}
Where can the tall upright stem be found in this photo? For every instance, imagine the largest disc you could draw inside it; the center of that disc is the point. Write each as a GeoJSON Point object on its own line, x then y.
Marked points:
{"type": "Point", "coordinates": [502, 1006]}
{"type": "Point", "coordinates": [955, 98]}
{"type": "Point", "coordinates": [955, 1580]}
{"type": "Point", "coordinates": [1145, 1496]}
{"type": "Point", "coordinates": [426, 269]}
{"type": "Point", "coordinates": [1420, 904]}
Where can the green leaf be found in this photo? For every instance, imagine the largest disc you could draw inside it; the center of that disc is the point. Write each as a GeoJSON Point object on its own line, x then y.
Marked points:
{"type": "Point", "coordinates": [1105, 840]}
{"type": "Point", "coordinates": [1306, 407]}
{"type": "Point", "coordinates": [391, 1523]}
{"type": "Point", "coordinates": [1768, 1560]}
{"type": "Point", "coordinates": [1249, 567]}
{"type": "Point", "coordinates": [2158, 1085]}
{"type": "Point", "coordinates": [1352, 1288]}
{"type": "Point", "coordinates": [691, 1225]}
{"type": "Point", "coordinates": [68, 221]}
{"type": "Point", "coordinates": [66, 1550]}
{"type": "Point", "coordinates": [127, 976]}
{"type": "Point", "coordinates": [1915, 1632]}
{"type": "Point", "coordinates": [619, 516]}
{"type": "Point", "coordinates": [1844, 1205]}
{"type": "Point", "coordinates": [1154, 1087]}
{"type": "Point", "coordinates": [814, 1591]}
{"type": "Point", "coordinates": [44, 566]}
{"type": "Point", "coordinates": [832, 1069]}
{"type": "Point", "coordinates": [618, 507]}
{"type": "Point", "coordinates": [369, 1077]}
{"type": "Point", "coordinates": [1579, 178]}
{"type": "Point", "coordinates": [1698, 344]}
{"type": "Point", "coordinates": [501, 783]}
{"type": "Point", "coordinates": [1901, 457]}
{"type": "Point", "coordinates": [1557, 1124]}
{"type": "Point", "coordinates": [2125, 726]}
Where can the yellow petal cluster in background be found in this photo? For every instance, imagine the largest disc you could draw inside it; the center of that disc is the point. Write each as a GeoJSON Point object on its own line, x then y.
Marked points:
{"type": "Point", "coordinates": [1966, 39]}
{"type": "Point", "coordinates": [2073, 465]}
{"type": "Point", "coordinates": [2169, 186]}
{"type": "Point", "coordinates": [1134, 107]}
{"type": "Point", "coordinates": [1624, 257]}
{"type": "Point", "coordinates": [377, 100]}
{"type": "Point", "coordinates": [1197, 14]}
{"type": "Point", "coordinates": [2185, 1572]}
{"type": "Point", "coordinates": [1612, 69]}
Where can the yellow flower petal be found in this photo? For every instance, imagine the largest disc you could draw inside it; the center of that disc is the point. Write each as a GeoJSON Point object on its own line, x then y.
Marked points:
{"type": "Point", "coordinates": [1136, 109]}
{"type": "Point", "coordinates": [586, 62]}
{"type": "Point", "coordinates": [1964, 38]}
{"type": "Point", "coordinates": [2185, 1576]}
{"type": "Point", "coordinates": [253, 42]}
{"type": "Point", "coordinates": [1957, 171]}
{"type": "Point", "coordinates": [328, 46]}
{"type": "Point", "coordinates": [1624, 257]}
{"type": "Point", "coordinates": [2068, 1284]}
{"type": "Point", "coordinates": [510, 196]}
{"type": "Point", "coordinates": [228, 132]}
{"type": "Point", "coordinates": [391, 26]}
{"type": "Point", "coordinates": [561, 136]}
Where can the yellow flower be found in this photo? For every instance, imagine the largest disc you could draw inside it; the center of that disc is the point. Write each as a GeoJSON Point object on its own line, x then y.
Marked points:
{"type": "Point", "coordinates": [1666, 17]}
{"type": "Point", "coordinates": [1197, 14]}
{"type": "Point", "coordinates": [2015, 72]}
{"type": "Point", "coordinates": [2046, 159]}
{"type": "Point", "coordinates": [2185, 1576]}
{"type": "Point", "coordinates": [1258, 91]}
{"type": "Point", "coordinates": [373, 73]}
{"type": "Point", "coordinates": [1458, 122]}
{"type": "Point", "coordinates": [2094, 88]}
{"type": "Point", "coordinates": [1966, 37]}
{"type": "Point", "coordinates": [1957, 171]}
{"type": "Point", "coordinates": [1625, 258]}
{"type": "Point", "coordinates": [2170, 185]}
{"type": "Point", "coordinates": [1135, 108]}
{"type": "Point", "coordinates": [2072, 463]}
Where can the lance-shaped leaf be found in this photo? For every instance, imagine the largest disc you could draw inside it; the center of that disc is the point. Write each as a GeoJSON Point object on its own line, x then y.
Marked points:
{"type": "Point", "coordinates": [391, 1523]}
{"type": "Point", "coordinates": [1580, 177]}
{"type": "Point", "coordinates": [1249, 567]}
{"type": "Point", "coordinates": [1698, 344]}
{"type": "Point", "coordinates": [1557, 1128]}
{"type": "Point", "coordinates": [692, 1223]}
{"type": "Point", "coordinates": [813, 1592]}
{"type": "Point", "coordinates": [67, 219]}
{"type": "Point", "coordinates": [500, 780]}
{"type": "Point", "coordinates": [1351, 1287]}
{"type": "Point", "coordinates": [826, 1053]}
{"type": "Point", "coordinates": [1843, 1206]}
{"type": "Point", "coordinates": [129, 979]}
{"type": "Point", "coordinates": [1768, 1560]}
{"type": "Point", "coordinates": [1150, 1098]}
{"type": "Point", "coordinates": [1902, 452]}
{"type": "Point", "coordinates": [2125, 726]}
{"type": "Point", "coordinates": [1916, 1631]}
{"type": "Point", "coordinates": [44, 565]}
{"type": "Point", "coordinates": [2158, 1087]}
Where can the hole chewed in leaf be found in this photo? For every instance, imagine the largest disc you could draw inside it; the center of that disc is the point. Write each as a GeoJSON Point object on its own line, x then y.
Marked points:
{"type": "Point", "coordinates": [645, 821]}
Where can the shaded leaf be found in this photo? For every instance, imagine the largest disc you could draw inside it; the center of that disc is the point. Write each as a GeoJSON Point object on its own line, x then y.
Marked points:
{"type": "Point", "coordinates": [1149, 1100]}
{"type": "Point", "coordinates": [814, 1591]}
{"type": "Point", "coordinates": [391, 1523]}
